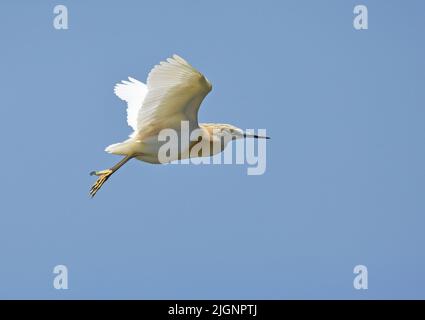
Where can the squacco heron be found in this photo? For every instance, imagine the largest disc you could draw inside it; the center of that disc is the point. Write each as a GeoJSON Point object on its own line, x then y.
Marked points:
{"type": "Point", "coordinates": [173, 94]}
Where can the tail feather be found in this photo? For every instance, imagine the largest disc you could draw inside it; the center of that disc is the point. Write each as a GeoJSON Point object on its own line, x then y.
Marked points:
{"type": "Point", "coordinates": [122, 148]}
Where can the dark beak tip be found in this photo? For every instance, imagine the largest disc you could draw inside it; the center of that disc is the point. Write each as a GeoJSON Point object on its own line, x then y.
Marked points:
{"type": "Point", "coordinates": [255, 136]}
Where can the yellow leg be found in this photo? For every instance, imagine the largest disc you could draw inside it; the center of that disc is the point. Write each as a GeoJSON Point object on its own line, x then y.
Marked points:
{"type": "Point", "coordinates": [103, 176]}
{"type": "Point", "coordinates": [101, 172]}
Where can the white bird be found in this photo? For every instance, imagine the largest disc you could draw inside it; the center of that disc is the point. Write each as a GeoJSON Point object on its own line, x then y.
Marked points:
{"type": "Point", "coordinates": [174, 93]}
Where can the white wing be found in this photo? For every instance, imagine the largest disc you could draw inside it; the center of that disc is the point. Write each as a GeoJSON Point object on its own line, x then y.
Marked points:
{"type": "Point", "coordinates": [133, 92]}
{"type": "Point", "coordinates": [175, 93]}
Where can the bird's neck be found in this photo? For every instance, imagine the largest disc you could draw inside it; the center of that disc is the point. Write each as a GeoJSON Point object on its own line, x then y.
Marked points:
{"type": "Point", "coordinates": [210, 137]}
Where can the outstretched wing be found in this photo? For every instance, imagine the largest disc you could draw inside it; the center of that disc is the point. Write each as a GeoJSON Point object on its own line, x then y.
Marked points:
{"type": "Point", "coordinates": [175, 93]}
{"type": "Point", "coordinates": [134, 93]}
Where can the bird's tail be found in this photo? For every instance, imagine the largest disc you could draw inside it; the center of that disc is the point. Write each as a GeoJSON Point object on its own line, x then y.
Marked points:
{"type": "Point", "coordinates": [122, 148]}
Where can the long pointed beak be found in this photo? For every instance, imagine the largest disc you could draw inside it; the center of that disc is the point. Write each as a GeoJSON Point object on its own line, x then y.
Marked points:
{"type": "Point", "coordinates": [247, 135]}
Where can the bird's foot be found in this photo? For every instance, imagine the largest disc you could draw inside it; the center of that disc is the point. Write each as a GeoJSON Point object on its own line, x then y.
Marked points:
{"type": "Point", "coordinates": [101, 172]}
{"type": "Point", "coordinates": [103, 176]}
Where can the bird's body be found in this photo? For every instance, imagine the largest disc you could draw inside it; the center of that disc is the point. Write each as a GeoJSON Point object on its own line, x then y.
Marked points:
{"type": "Point", "coordinates": [148, 146]}
{"type": "Point", "coordinates": [170, 100]}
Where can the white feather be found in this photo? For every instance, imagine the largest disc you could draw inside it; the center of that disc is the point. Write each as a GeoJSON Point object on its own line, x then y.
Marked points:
{"type": "Point", "coordinates": [134, 93]}
{"type": "Point", "coordinates": [175, 92]}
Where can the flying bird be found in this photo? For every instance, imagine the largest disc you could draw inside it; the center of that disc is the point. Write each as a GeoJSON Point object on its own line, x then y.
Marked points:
{"type": "Point", "coordinates": [173, 93]}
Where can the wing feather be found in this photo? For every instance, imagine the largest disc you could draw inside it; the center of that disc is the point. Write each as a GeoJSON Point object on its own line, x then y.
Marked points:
{"type": "Point", "coordinates": [134, 93]}
{"type": "Point", "coordinates": [175, 93]}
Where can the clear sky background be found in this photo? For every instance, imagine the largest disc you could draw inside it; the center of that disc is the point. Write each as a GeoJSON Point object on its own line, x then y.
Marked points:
{"type": "Point", "coordinates": [345, 179]}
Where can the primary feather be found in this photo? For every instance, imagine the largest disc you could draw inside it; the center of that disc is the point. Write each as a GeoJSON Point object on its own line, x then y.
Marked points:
{"type": "Point", "coordinates": [133, 92]}
{"type": "Point", "coordinates": [175, 93]}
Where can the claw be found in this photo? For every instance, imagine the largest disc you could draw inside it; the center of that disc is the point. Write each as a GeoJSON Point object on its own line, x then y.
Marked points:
{"type": "Point", "coordinates": [105, 174]}
{"type": "Point", "coordinates": [101, 172]}
{"type": "Point", "coordinates": [103, 177]}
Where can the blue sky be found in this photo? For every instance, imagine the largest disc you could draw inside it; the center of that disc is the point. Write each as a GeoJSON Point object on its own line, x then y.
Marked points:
{"type": "Point", "coordinates": [345, 166]}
